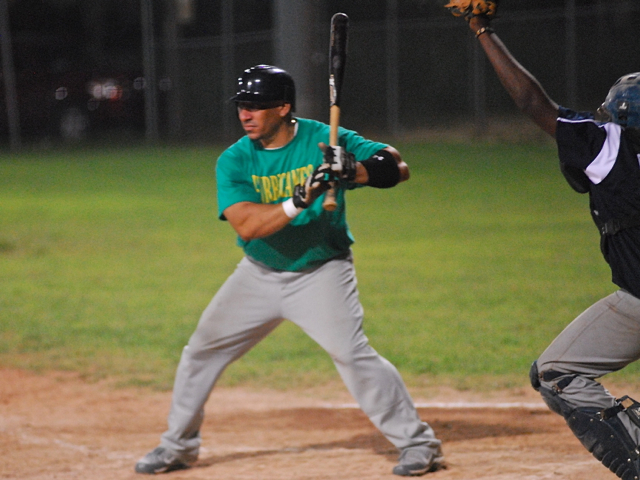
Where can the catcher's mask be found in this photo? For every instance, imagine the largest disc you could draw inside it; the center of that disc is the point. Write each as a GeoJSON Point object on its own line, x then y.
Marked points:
{"type": "Point", "coordinates": [264, 85]}
{"type": "Point", "coordinates": [622, 105]}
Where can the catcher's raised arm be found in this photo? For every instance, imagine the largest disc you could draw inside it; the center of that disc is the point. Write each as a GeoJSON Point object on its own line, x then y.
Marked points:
{"type": "Point", "coordinates": [525, 90]}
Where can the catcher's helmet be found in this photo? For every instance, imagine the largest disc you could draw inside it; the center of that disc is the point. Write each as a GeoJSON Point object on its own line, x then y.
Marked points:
{"type": "Point", "coordinates": [623, 101]}
{"type": "Point", "coordinates": [266, 84]}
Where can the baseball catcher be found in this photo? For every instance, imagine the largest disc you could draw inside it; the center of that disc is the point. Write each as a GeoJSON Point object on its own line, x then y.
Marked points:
{"type": "Point", "coordinates": [599, 156]}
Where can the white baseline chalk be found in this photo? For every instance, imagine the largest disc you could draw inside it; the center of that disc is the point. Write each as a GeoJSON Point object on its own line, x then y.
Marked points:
{"type": "Point", "coordinates": [452, 405]}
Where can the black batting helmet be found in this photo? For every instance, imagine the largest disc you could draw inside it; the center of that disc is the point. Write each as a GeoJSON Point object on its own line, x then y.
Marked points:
{"type": "Point", "coordinates": [266, 84]}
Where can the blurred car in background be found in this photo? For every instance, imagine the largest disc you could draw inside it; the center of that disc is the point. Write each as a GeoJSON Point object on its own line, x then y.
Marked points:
{"type": "Point", "coordinates": [75, 105]}
{"type": "Point", "coordinates": [86, 103]}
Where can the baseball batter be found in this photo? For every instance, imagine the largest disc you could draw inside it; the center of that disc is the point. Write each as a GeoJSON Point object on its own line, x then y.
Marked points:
{"type": "Point", "coordinates": [297, 266]}
{"type": "Point", "coordinates": [599, 157]}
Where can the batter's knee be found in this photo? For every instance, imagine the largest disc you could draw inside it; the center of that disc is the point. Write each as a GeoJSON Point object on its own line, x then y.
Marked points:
{"type": "Point", "coordinates": [350, 355]}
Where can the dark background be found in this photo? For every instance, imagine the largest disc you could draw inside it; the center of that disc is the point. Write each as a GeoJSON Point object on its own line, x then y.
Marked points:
{"type": "Point", "coordinates": [163, 70]}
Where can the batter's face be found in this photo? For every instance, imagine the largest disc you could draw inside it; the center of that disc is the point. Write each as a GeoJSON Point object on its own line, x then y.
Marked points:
{"type": "Point", "coordinates": [267, 125]}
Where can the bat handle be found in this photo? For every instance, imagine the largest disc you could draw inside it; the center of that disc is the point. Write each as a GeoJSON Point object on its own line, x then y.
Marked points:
{"type": "Point", "coordinates": [329, 203]}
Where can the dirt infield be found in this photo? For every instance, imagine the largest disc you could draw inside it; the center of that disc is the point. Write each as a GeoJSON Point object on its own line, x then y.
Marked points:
{"type": "Point", "coordinates": [56, 426]}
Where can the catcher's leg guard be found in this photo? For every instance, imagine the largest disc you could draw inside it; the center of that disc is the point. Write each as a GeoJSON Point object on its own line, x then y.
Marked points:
{"type": "Point", "coordinates": [608, 440]}
{"type": "Point", "coordinates": [600, 431]}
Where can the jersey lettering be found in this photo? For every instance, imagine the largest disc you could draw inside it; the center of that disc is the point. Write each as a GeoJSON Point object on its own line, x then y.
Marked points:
{"type": "Point", "coordinates": [274, 188]}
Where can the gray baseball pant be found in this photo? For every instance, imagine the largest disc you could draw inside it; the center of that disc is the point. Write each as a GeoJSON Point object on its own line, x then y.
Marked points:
{"type": "Point", "coordinates": [603, 339]}
{"type": "Point", "coordinates": [324, 303]}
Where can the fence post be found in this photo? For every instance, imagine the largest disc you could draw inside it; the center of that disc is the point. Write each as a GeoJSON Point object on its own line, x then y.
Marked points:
{"type": "Point", "coordinates": [570, 52]}
{"type": "Point", "coordinates": [149, 66]}
{"type": "Point", "coordinates": [13, 115]}
{"type": "Point", "coordinates": [393, 96]}
{"type": "Point", "coordinates": [478, 88]}
{"type": "Point", "coordinates": [229, 73]}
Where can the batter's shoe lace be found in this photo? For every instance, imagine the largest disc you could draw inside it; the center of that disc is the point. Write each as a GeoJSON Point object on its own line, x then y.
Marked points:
{"type": "Point", "coordinates": [161, 460]}
{"type": "Point", "coordinates": [413, 463]}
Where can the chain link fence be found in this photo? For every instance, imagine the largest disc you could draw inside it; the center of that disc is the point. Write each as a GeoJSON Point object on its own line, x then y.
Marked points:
{"type": "Point", "coordinates": [407, 76]}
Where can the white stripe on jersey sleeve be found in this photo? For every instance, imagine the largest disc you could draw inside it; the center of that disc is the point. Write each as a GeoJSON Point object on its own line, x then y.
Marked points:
{"type": "Point", "coordinates": [603, 163]}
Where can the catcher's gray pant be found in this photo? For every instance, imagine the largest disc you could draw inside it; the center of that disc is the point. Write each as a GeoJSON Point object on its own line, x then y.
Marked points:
{"type": "Point", "coordinates": [603, 339]}
{"type": "Point", "coordinates": [324, 303]}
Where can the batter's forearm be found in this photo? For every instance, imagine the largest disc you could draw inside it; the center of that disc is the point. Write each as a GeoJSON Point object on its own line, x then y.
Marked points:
{"type": "Point", "coordinates": [362, 175]}
{"type": "Point", "coordinates": [402, 166]}
{"type": "Point", "coordinates": [256, 220]}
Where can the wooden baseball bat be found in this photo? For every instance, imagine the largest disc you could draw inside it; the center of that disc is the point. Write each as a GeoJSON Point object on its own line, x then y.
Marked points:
{"type": "Point", "coordinates": [337, 61]}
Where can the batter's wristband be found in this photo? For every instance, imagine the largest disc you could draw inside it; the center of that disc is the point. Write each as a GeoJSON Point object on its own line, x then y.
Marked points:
{"type": "Point", "coordinates": [382, 169]}
{"type": "Point", "coordinates": [290, 209]}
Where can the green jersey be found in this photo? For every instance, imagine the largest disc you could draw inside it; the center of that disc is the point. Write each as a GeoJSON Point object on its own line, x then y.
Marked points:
{"type": "Point", "coordinates": [247, 172]}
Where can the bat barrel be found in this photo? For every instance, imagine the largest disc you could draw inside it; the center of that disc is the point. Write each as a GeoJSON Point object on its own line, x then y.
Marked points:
{"type": "Point", "coordinates": [337, 55]}
{"type": "Point", "coordinates": [337, 61]}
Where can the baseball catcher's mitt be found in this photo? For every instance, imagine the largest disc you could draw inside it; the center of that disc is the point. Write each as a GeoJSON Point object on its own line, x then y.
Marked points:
{"type": "Point", "coordinates": [473, 8]}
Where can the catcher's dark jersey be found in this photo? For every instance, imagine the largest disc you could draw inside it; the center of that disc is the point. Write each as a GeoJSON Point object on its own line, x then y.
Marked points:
{"type": "Point", "coordinates": [606, 154]}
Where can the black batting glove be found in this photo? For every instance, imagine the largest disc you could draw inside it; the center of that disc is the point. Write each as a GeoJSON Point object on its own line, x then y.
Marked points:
{"type": "Point", "coordinates": [343, 163]}
{"type": "Point", "coordinates": [321, 180]}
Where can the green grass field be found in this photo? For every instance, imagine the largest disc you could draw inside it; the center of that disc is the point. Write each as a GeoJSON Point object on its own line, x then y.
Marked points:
{"type": "Point", "coordinates": [466, 272]}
